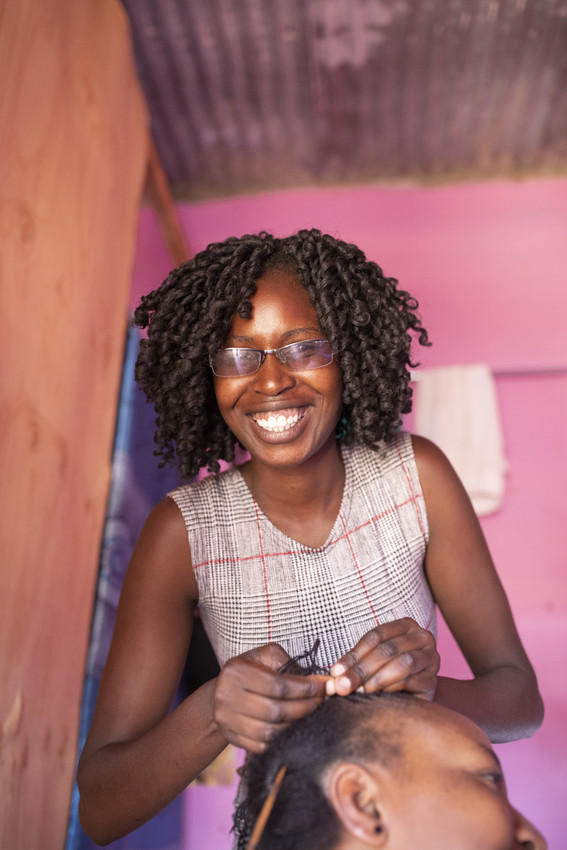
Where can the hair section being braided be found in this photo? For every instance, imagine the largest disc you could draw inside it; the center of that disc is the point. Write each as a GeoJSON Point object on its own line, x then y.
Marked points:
{"type": "Point", "coordinates": [360, 728]}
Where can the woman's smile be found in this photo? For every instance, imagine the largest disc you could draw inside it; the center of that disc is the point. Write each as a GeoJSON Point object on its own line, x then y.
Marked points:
{"type": "Point", "coordinates": [279, 421]}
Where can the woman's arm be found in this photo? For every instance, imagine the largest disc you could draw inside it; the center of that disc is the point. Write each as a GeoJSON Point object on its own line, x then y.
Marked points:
{"type": "Point", "coordinates": [503, 697]}
{"type": "Point", "coordinates": [137, 756]}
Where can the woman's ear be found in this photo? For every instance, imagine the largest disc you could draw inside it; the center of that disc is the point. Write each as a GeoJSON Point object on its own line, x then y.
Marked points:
{"type": "Point", "coordinates": [356, 796]}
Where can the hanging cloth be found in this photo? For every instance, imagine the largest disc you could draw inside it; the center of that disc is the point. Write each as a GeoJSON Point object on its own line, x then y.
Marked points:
{"type": "Point", "coordinates": [457, 408]}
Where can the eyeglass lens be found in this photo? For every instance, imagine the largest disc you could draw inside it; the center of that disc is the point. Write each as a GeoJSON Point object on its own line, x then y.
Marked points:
{"type": "Point", "coordinates": [304, 355]}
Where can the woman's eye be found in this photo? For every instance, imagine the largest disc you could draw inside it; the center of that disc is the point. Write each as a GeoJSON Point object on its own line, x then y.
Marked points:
{"type": "Point", "coordinates": [306, 350]}
{"type": "Point", "coordinates": [494, 777]}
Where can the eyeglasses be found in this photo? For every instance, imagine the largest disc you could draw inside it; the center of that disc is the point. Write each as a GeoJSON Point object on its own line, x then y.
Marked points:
{"type": "Point", "coordinates": [297, 357]}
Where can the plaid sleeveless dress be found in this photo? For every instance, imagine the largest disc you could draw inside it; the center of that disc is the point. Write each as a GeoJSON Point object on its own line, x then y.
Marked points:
{"type": "Point", "coordinates": [257, 585]}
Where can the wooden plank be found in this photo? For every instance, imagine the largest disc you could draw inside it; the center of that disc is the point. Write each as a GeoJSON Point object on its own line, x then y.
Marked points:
{"type": "Point", "coordinates": [159, 194]}
{"type": "Point", "coordinates": [74, 136]}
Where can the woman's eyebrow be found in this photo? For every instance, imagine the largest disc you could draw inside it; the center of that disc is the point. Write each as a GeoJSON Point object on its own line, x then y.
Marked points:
{"type": "Point", "coordinates": [242, 338]}
{"type": "Point", "coordinates": [301, 330]}
{"type": "Point", "coordinates": [492, 753]}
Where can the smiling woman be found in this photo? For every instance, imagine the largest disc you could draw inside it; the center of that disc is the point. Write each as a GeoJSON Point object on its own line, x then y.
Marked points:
{"type": "Point", "coordinates": [339, 528]}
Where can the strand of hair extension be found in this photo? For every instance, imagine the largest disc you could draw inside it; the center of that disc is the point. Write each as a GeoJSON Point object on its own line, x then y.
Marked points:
{"type": "Point", "coordinates": [265, 810]}
{"type": "Point", "coordinates": [293, 665]}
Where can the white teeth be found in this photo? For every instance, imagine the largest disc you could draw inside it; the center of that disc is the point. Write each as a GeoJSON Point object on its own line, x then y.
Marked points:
{"type": "Point", "coordinates": [276, 424]}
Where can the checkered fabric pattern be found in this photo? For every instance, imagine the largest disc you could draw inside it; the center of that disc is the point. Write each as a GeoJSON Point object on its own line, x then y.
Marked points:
{"type": "Point", "coordinates": [257, 585]}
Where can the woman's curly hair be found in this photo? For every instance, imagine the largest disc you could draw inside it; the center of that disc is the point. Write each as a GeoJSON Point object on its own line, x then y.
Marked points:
{"type": "Point", "coordinates": [366, 318]}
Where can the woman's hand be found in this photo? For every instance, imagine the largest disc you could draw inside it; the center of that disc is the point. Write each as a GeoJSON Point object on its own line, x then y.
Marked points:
{"type": "Point", "coordinates": [396, 656]}
{"type": "Point", "coordinates": [253, 702]}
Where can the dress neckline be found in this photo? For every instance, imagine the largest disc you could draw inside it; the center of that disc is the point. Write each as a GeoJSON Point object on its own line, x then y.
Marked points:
{"type": "Point", "coordinates": [336, 529]}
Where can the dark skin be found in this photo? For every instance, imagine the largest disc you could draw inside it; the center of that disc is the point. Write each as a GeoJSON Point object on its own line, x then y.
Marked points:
{"type": "Point", "coordinates": [445, 789]}
{"type": "Point", "coordinates": [138, 757]}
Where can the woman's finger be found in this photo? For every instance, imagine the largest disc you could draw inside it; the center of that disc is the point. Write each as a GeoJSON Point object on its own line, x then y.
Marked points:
{"type": "Point", "coordinates": [423, 685]}
{"type": "Point", "coordinates": [255, 678]}
{"type": "Point", "coordinates": [414, 671]}
{"type": "Point", "coordinates": [395, 672]}
{"type": "Point", "coordinates": [386, 655]}
{"type": "Point", "coordinates": [261, 722]}
{"type": "Point", "coordinates": [252, 702]}
{"type": "Point", "coordinates": [257, 708]}
{"type": "Point", "coordinates": [378, 636]}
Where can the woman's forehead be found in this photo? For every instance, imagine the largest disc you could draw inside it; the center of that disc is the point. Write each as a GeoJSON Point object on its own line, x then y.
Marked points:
{"type": "Point", "coordinates": [431, 731]}
{"type": "Point", "coordinates": [279, 280]}
{"type": "Point", "coordinates": [281, 300]}
{"type": "Point", "coordinates": [442, 735]}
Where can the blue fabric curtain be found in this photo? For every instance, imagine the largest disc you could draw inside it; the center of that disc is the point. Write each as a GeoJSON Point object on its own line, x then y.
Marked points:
{"type": "Point", "coordinates": [137, 484]}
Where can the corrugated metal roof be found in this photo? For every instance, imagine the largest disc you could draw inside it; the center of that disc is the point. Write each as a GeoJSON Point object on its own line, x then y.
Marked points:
{"type": "Point", "coordinates": [246, 95]}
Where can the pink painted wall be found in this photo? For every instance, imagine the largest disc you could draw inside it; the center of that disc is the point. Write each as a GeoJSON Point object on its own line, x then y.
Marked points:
{"type": "Point", "coordinates": [489, 267]}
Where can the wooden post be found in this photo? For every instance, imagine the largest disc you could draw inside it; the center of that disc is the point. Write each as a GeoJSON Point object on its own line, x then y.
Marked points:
{"type": "Point", "coordinates": [159, 194]}
{"type": "Point", "coordinates": [74, 139]}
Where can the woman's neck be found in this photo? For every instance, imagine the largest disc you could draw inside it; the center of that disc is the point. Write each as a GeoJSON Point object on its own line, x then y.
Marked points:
{"type": "Point", "coordinates": [303, 501]}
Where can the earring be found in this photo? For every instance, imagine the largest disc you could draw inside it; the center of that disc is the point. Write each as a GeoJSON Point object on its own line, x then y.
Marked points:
{"type": "Point", "coordinates": [343, 427]}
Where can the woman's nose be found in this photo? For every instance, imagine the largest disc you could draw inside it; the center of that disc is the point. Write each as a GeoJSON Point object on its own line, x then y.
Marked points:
{"type": "Point", "coordinates": [273, 377]}
{"type": "Point", "coordinates": [527, 836]}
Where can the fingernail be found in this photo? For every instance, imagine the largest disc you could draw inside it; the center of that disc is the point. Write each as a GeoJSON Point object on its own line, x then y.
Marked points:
{"type": "Point", "coordinates": [338, 669]}
{"type": "Point", "coordinates": [344, 685]}
{"type": "Point", "coordinates": [330, 688]}
{"type": "Point", "coordinates": [360, 690]}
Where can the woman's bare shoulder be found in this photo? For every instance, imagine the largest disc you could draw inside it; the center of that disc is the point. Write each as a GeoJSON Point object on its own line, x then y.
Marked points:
{"type": "Point", "coordinates": [163, 548]}
{"type": "Point", "coordinates": [426, 451]}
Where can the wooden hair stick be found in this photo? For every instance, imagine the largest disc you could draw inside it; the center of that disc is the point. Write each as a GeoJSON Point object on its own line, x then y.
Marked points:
{"type": "Point", "coordinates": [265, 810]}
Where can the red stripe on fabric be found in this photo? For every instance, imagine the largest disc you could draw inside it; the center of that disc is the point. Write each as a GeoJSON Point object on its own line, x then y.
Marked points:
{"type": "Point", "coordinates": [239, 560]}
{"type": "Point", "coordinates": [374, 518]}
{"type": "Point", "coordinates": [265, 572]}
{"type": "Point", "coordinates": [431, 617]}
{"type": "Point", "coordinates": [347, 535]}
{"type": "Point", "coordinates": [418, 512]}
{"type": "Point", "coordinates": [263, 555]}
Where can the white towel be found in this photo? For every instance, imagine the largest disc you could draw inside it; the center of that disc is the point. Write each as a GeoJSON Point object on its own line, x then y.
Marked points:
{"type": "Point", "coordinates": [456, 407]}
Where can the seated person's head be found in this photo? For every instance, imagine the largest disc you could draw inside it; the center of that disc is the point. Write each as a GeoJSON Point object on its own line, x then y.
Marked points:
{"type": "Point", "coordinates": [383, 771]}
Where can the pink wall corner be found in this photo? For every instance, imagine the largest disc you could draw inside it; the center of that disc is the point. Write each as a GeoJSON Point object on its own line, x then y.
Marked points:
{"type": "Point", "coordinates": [488, 265]}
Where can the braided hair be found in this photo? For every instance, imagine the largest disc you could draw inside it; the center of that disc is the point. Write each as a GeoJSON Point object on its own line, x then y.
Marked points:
{"type": "Point", "coordinates": [366, 318]}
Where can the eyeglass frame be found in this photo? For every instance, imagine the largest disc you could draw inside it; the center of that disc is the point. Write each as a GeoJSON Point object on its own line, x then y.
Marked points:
{"type": "Point", "coordinates": [264, 351]}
